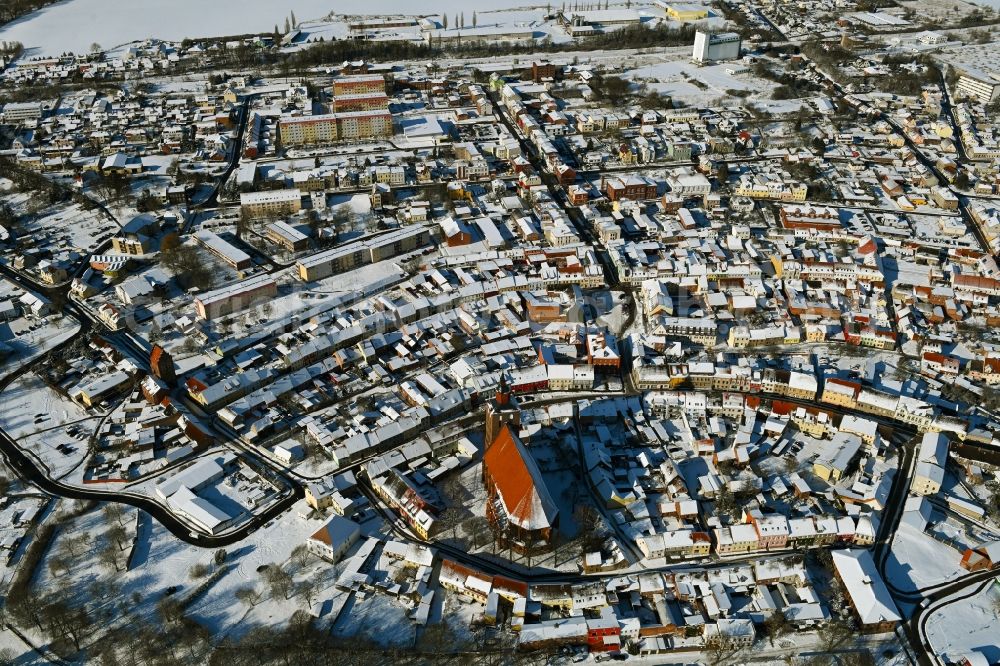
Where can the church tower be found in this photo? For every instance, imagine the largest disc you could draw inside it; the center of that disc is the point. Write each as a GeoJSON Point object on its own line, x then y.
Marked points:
{"type": "Point", "coordinates": [501, 410]}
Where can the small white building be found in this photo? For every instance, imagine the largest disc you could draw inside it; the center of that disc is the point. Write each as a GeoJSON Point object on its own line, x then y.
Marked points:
{"type": "Point", "coordinates": [331, 541]}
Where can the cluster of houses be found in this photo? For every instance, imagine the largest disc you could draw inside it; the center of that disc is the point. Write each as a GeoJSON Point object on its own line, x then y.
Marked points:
{"type": "Point", "coordinates": [655, 613]}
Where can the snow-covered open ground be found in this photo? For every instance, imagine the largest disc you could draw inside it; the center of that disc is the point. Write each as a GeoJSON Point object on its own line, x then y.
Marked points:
{"type": "Point", "coordinates": [967, 625]}
{"type": "Point", "coordinates": [37, 417]}
{"type": "Point", "coordinates": [675, 78]}
{"type": "Point", "coordinates": [76, 24]}
{"type": "Point", "coordinates": [918, 561]}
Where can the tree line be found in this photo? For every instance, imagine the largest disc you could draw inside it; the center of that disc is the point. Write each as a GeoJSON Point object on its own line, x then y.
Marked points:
{"type": "Point", "coordinates": [12, 9]}
{"type": "Point", "coordinates": [631, 37]}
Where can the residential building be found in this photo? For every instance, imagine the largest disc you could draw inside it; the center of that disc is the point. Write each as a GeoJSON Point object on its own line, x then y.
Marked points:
{"type": "Point", "coordinates": [837, 457]}
{"type": "Point", "coordinates": [358, 84]}
{"type": "Point", "coordinates": [332, 541]}
{"type": "Point", "coordinates": [272, 203]}
{"type": "Point", "coordinates": [983, 87]}
{"type": "Point", "coordinates": [366, 101]}
{"type": "Point", "coordinates": [17, 112]}
{"type": "Point", "coordinates": [870, 600]}
{"type": "Point", "coordinates": [928, 474]}
{"type": "Point", "coordinates": [224, 250]}
{"type": "Point", "coordinates": [287, 236]}
{"type": "Point", "coordinates": [235, 297]}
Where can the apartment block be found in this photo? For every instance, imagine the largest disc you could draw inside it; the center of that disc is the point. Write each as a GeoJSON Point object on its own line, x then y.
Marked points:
{"type": "Point", "coordinates": [274, 203]}
{"type": "Point", "coordinates": [377, 101]}
{"type": "Point", "coordinates": [358, 84]}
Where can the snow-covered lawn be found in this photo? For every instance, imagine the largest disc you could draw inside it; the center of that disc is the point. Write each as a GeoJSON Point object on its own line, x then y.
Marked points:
{"type": "Point", "coordinates": [377, 617]}
{"type": "Point", "coordinates": [917, 561]}
{"type": "Point", "coordinates": [20, 654]}
{"type": "Point", "coordinates": [967, 625]}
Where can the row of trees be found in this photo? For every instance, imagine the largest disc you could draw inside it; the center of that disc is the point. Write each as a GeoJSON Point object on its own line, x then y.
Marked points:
{"type": "Point", "coordinates": [631, 37]}
{"type": "Point", "coordinates": [459, 20]}
{"type": "Point", "coordinates": [12, 9]}
{"type": "Point", "coordinates": [11, 49]}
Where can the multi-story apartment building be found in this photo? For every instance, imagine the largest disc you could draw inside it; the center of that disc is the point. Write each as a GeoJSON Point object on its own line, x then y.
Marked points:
{"type": "Point", "coordinates": [367, 101]}
{"type": "Point", "coordinates": [17, 112]}
{"type": "Point", "coordinates": [358, 84]}
{"type": "Point", "coordinates": [980, 86]}
{"type": "Point", "coordinates": [275, 203]}
{"type": "Point", "coordinates": [235, 297]}
{"type": "Point", "coordinates": [306, 130]}
{"type": "Point", "coordinates": [363, 124]}
{"type": "Point", "coordinates": [352, 255]}
{"type": "Point", "coordinates": [331, 127]}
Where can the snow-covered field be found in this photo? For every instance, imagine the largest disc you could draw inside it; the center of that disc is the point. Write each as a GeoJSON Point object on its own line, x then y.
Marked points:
{"type": "Point", "coordinates": [675, 78]}
{"type": "Point", "coordinates": [31, 337]}
{"type": "Point", "coordinates": [76, 24]}
{"type": "Point", "coordinates": [918, 561]}
{"type": "Point", "coordinates": [967, 625]}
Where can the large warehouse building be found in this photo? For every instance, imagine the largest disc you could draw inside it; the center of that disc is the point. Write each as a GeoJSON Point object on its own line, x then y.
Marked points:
{"type": "Point", "coordinates": [713, 47]}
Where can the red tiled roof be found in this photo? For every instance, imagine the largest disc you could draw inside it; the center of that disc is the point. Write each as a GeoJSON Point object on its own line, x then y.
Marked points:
{"type": "Point", "coordinates": [154, 358]}
{"type": "Point", "coordinates": [519, 482]}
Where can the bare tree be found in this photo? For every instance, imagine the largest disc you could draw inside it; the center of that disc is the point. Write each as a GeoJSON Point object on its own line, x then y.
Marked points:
{"type": "Point", "coordinates": [170, 609]}
{"type": "Point", "coordinates": [77, 545]}
{"type": "Point", "coordinates": [834, 634]}
{"type": "Point", "coordinates": [65, 621]}
{"type": "Point", "coordinates": [57, 563]}
{"type": "Point", "coordinates": [776, 626]}
{"type": "Point", "coordinates": [113, 513]}
{"type": "Point", "coordinates": [300, 556]}
{"type": "Point", "coordinates": [479, 528]}
{"type": "Point", "coordinates": [248, 595]}
{"type": "Point", "coordinates": [110, 556]}
{"type": "Point", "coordinates": [308, 588]}
{"type": "Point", "coordinates": [279, 581]}
{"type": "Point", "coordinates": [118, 534]}
{"type": "Point", "coordinates": [199, 570]}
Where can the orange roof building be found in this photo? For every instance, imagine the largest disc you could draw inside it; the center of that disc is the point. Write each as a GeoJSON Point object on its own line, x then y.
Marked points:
{"type": "Point", "coordinates": [162, 365]}
{"type": "Point", "coordinates": [518, 505]}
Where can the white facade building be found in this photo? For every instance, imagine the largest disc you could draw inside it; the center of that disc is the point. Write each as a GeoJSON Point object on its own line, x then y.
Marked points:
{"type": "Point", "coordinates": [710, 47]}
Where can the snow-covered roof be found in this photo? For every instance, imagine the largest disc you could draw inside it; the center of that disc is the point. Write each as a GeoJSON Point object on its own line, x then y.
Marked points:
{"type": "Point", "coordinates": [866, 589]}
